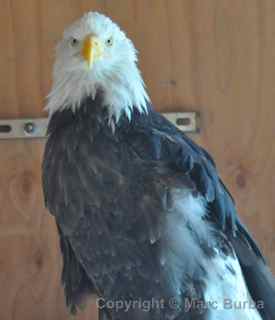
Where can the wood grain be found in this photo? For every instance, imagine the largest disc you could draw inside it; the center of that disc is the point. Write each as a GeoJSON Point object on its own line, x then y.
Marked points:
{"type": "Point", "coordinates": [215, 57]}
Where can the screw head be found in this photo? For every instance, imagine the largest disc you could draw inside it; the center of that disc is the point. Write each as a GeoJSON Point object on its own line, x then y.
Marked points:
{"type": "Point", "coordinates": [29, 127]}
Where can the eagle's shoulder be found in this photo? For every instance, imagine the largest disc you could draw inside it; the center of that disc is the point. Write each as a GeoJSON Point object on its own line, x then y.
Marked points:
{"type": "Point", "coordinates": [154, 138]}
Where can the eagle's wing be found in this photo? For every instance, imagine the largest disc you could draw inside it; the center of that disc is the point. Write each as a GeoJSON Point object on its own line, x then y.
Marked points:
{"type": "Point", "coordinates": [158, 139]}
{"type": "Point", "coordinates": [63, 199]}
{"type": "Point", "coordinates": [82, 169]}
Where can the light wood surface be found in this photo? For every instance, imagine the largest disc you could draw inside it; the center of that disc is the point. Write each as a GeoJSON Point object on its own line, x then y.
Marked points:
{"type": "Point", "coordinates": [216, 57]}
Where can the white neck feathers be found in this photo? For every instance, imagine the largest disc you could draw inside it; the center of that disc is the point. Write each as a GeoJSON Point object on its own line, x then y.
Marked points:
{"type": "Point", "coordinates": [123, 90]}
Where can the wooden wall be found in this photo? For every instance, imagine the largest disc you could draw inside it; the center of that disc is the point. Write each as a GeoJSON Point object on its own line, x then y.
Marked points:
{"type": "Point", "coordinates": [212, 56]}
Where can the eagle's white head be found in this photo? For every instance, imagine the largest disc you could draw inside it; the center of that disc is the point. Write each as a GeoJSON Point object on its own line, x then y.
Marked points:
{"type": "Point", "coordinates": [93, 55]}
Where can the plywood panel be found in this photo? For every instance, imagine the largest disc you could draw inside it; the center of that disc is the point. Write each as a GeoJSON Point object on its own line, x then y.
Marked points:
{"type": "Point", "coordinates": [215, 57]}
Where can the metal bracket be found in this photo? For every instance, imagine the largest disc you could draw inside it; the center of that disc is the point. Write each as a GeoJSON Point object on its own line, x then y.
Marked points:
{"type": "Point", "coordinates": [185, 121]}
{"type": "Point", "coordinates": [23, 128]}
{"type": "Point", "coordinates": [36, 128]}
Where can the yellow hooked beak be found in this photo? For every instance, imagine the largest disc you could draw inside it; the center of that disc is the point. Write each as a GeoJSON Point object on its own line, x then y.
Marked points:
{"type": "Point", "coordinates": [92, 50]}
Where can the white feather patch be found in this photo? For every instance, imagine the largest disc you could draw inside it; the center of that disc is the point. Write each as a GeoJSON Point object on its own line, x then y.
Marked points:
{"type": "Point", "coordinates": [226, 292]}
{"type": "Point", "coordinates": [226, 295]}
{"type": "Point", "coordinates": [181, 252]}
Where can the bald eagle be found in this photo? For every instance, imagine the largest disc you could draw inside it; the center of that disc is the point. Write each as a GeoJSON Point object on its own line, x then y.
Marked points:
{"type": "Point", "coordinates": [144, 220]}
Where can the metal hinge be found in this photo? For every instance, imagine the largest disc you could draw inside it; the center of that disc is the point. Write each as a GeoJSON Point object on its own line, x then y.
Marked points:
{"type": "Point", "coordinates": [37, 128]}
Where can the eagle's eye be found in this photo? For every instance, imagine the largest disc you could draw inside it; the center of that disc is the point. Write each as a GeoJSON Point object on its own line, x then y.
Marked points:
{"type": "Point", "coordinates": [74, 42]}
{"type": "Point", "coordinates": [109, 42]}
